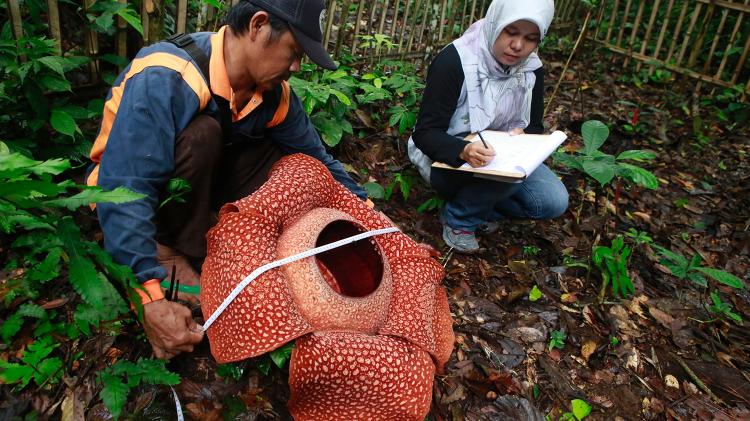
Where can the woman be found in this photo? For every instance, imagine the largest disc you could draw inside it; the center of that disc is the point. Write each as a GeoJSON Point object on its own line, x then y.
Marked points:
{"type": "Point", "coordinates": [489, 79]}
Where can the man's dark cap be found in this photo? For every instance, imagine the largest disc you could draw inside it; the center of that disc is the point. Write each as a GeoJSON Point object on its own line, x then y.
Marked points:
{"type": "Point", "coordinates": [306, 18]}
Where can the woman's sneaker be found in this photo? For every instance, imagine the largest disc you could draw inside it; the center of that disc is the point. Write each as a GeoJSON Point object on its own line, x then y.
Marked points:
{"type": "Point", "coordinates": [487, 228]}
{"type": "Point", "coordinates": [462, 241]}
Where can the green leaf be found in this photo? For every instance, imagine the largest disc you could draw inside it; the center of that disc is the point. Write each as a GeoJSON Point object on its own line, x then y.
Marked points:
{"type": "Point", "coordinates": [46, 369]}
{"type": "Point", "coordinates": [723, 277]}
{"type": "Point", "coordinates": [131, 18]}
{"type": "Point", "coordinates": [96, 195]}
{"type": "Point", "coordinates": [374, 190]}
{"type": "Point", "coordinates": [601, 169]}
{"type": "Point", "coordinates": [535, 294]}
{"type": "Point", "coordinates": [48, 269]}
{"type": "Point", "coordinates": [15, 373]}
{"type": "Point", "coordinates": [113, 394]}
{"type": "Point", "coordinates": [10, 327]}
{"type": "Point", "coordinates": [63, 122]}
{"type": "Point", "coordinates": [581, 409]}
{"type": "Point", "coordinates": [567, 160]}
{"type": "Point", "coordinates": [54, 83]}
{"type": "Point", "coordinates": [594, 134]}
{"type": "Point", "coordinates": [281, 355]}
{"type": "Point", "coordinates": [86, 317]}
{"type": "Point", "coordinates": [637, 155]}
{"type": "Point", "coordinates": [54, 63]}
{"type": "Point", "coordinates": [155, 372]}
{"type": "Point", "coordinates": [638, 175]}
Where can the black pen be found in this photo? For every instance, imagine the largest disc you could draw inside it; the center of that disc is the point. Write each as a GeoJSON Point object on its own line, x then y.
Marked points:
{"type": "Point", "coordinates": [482, 139]}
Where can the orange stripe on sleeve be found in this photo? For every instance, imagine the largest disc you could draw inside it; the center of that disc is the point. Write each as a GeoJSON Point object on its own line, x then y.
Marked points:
{"type": "Point", "coordinates": [283, 108]}
{"type": "Point", "coordinates": [187, 70]}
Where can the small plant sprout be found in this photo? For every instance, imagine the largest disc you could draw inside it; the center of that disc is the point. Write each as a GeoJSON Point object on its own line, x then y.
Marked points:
{"type": "Point", "coordinates": [580, 409]}
{"type": "Point", "coordinates": [604, 167]}
{"type": "Point", "coordinates": [535, 294]}
{"type": "Point", "coordinates": [403, 182]}
{"type": "Point", "coordinates": [557, 339]}
{"type": "Point", "coordinates": [691, 269]}
{"type": "Point", "coordinates": [612, 263]}
{"type": "Point", "coordinates": [531, 250]}
{"type": "Point", "coordinates": [722, 309]}
{"type": "Point", "coordinates": [639, 237]}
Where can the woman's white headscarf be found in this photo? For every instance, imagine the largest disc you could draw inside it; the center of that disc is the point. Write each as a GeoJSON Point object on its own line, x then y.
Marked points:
{"type": "Point", "coordinates": [499, 97]}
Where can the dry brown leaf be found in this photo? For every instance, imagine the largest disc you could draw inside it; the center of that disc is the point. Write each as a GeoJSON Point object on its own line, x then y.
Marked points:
{"type": "Point", "coordinates": [73, 408]}
{"type": "Point", "coordinates": [642, 215]}
{"type": "Point", "coordinates": [568, 298]}
{"type": "Point", "coordinates": [587, 349]}
{"type": "Point", "coordinates": [661, 317]}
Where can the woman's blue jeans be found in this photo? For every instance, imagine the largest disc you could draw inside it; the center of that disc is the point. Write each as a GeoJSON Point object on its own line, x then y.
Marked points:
{"type": "Point", "coordinates": [471, 201]}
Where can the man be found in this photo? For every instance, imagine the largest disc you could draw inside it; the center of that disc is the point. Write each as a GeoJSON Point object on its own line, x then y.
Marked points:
{"type": "Point", "coordinates": [163, 120]}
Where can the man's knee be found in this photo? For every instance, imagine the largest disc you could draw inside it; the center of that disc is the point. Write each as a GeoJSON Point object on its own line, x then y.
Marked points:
{"type": "Point", "coordinates": [200, 143]}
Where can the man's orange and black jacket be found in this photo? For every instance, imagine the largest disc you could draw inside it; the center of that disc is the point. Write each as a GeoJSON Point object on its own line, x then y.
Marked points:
{"type": "Point", "coordinates": [150, 103]}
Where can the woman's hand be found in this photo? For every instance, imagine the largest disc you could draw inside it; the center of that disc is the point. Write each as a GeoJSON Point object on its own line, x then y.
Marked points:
{"type": "Point", "coordinates": [476, 155]}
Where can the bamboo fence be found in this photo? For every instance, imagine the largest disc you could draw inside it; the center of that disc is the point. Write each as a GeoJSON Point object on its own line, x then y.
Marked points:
{"type": "Point", "coordinates": [708, 40]}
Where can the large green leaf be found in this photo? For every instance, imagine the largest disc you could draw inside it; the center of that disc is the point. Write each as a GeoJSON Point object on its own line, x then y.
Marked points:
{"type": "Point", "coordinates": [567, 160]}
{"type": "Point", "coordinates": [601, 169]}
{"type": "Point", "coordinates": [155, 372]}
{"type": "Point", "coordinates": [723, 277]}
{"type": "Point", "coordinates": [15, 373]}
{"type": "Point", "coordinates": [96, 195]}
{"type": "Point", "coordinates": [131, 18]}
{"type": "Point", "coordinates": [54, 83]}
{"type": "Point", "coordinates": [638, 175]}
{"type": "Point", "coordinates": [374, 190]}
{"type": "Point", "coordinates": [54, 63]}
{"type": "Point", "coordinates": [281, 355]}
{"type": "Point", "coordinates": [330, 130]}
{"type": "Point", "coordinates": [113, 394]}
{"type": "Point", "coordinates": [63, 122]}
{"type": "Point", "coordinates": [637, 155]}
{"type": "Point", "coordinates": [594, 134]}
{"type": "Point", "coordinates": [581, 409]}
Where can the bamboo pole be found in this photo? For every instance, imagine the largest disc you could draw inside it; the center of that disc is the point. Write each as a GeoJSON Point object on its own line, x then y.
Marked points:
{"type": "Point", "coordinates": [182, 16]}
{"type": "Point", "coordinates": [473, 9]}
{"type": "Point", "coordinates": [624, 23]}
{"type": "Point", "coordinates": [663, 30]}
{"type": "Point", "coordinates": [717, 36]}
{"type": "Point", "coordinates": [451, 20]}
{"type": "Point", "coordinates": [53, 16]}
{"type": "Point", "coordinates": [122, 35]}
{"type": "Point", "coordinates": [647, 38]}
{"type": "Point", "coordinates": [329, 22]}
{"type": "Point", "coordinates": [730, 44]}
{"type": "Point", "coordinates": [638, 17]}
{"type": "Point", "coordinates": [599, 19]}
{"type": "Point", "coordinates": [741, 62]}
{"type": "Point", "coordinates": [381, 24]}
{"type": "Point", "coordinates": [612, 18]}
{"type": "Point", "coordinates": [412, 34]}
{"type": "Point", "coordinates": [92, 47]}
{"type": "Point", "coordinates": [16, 24]}
{"type": "Point", "coordinates": [581, 36]}
{"type": "Point", "coordinates": [394, 23]}
{"type": "Point", "coordinates": [420, 31]}
{"type": "Point", "coordinates": [701, 36]}
{"type": "Point", "coordinates": [342, 27]}
{"type": "Point", "coordinates": [689, 32]}
{"type": "Point", "coordinates": [440, 24]}
{"type": "Point", "coordinates": [404, 24]}
{"type": "Point", "coordinates": [357, 24]}
{"type": "Point", "coordinates": [678, 29]}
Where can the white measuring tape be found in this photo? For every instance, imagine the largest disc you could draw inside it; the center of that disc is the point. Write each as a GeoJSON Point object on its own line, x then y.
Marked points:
{"type": "Point", "coordinates": [259, 271]}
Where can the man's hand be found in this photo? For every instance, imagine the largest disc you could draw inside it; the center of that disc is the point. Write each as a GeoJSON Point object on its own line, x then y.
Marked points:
{"type": "Point", "coordinates": [170, 328]}
{"type": "Point", "coordinates": [476, 155]}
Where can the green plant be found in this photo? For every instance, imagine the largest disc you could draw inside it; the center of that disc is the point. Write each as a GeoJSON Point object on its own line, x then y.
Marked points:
{"type": "Point", "coordinates": [531, 250]}
{"type": "Point", "coordinates": [123, 376]}
{"type": "Point", "coordinates": [603, 167]}
{"type": "Point", "coordinates": [691, 269]}
{"type": "Point", "coordinates": [638, 237]}
{"type": "Point", "coordinates": [404, 183]}
{"type": "Point", "coordinates": [557, 339]}
{"type": "Point", "coordinates": [535, 294]}
{"type": "Point", "coordinates": [435, 202]}
{"type": "Point", "coordinates": [722, 309]}
{"type": "Point", "coordinates": [177, 189]}
{"type": "Point", "coordinates": [613, 341]}
{"type": "Point", "coordinates": [278, 357]}
{"type": "Point", "coordinates": [325, 96]}
{"type": "Point", "coordinates": [580, 409]}
{"type": "Point", "coordinates": [49, 245]}
{"type": "Point", "coordinates": [612, 264]}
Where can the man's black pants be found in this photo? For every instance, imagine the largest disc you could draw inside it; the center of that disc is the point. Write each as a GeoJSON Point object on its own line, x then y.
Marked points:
{"type": "Point", "coordinates": [217, 174]}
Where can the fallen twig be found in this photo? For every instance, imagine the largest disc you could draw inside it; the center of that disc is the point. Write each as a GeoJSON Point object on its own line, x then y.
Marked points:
{"type": "Point", "coordinates": [694, 377]}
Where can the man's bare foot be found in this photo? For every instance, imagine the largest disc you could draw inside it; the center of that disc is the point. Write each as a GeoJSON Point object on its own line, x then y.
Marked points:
{"type": "Point", "coordinates": [170, 259]}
